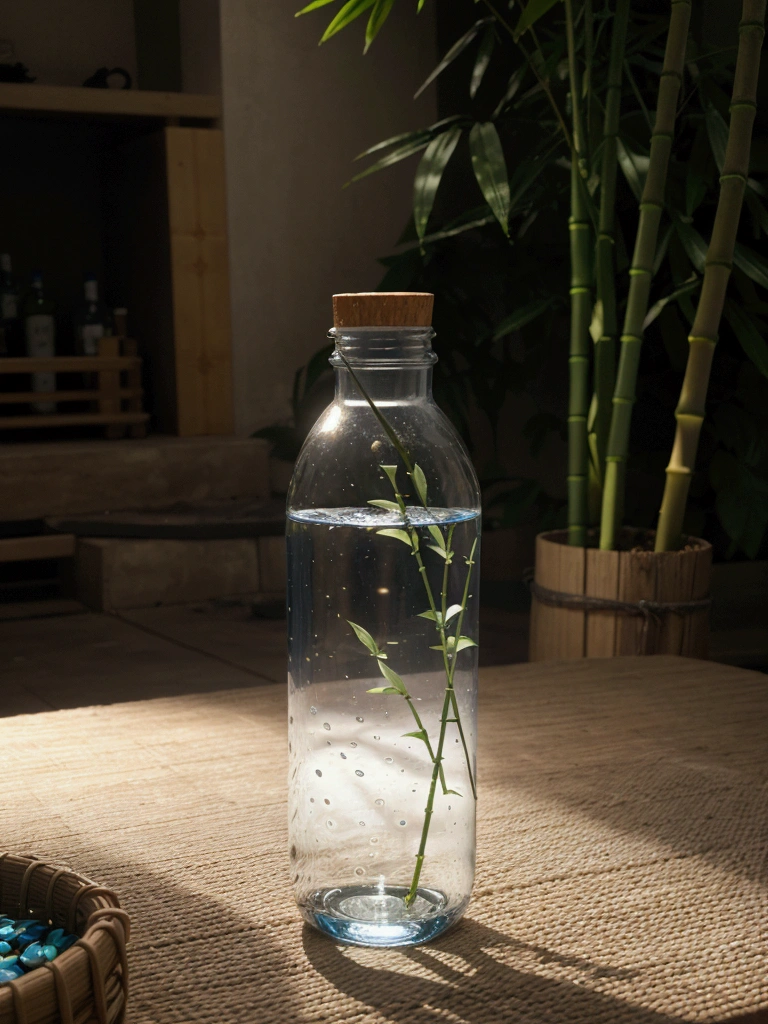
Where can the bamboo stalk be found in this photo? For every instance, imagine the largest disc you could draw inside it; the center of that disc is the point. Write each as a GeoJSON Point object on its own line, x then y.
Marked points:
{"type": "Point", "coordinates": [641, 272]}
{"type": "Point", "coordinates": [581, 313]}
{"type": "Point", "coordinates": [605, 345]}
{"type": "Point", "coordinates": [703, 337]}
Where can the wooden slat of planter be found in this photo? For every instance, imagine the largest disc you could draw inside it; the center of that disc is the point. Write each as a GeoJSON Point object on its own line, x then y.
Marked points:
{"type": "Point", "coordinates": [637, 582]}
{"type": "Point", "coordinates": [674, 582]}
{"type": "Point", "coordinates": [27, 549]}
{"type": "Point", "coordinates": [71, 419]}
{"type": "Point", "coordinates": [67, 364]}
{"type": "Point", "coordinates": [602, 581]}
{"type": "Point", "coordinates": [20, 397]}
{"type": "Point", "coordinates": [696, 629]}
{"type": "Point", "coordinates": [571, 627]}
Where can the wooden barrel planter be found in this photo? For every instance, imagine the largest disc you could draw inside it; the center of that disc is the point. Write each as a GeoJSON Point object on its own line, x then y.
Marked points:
{"type": "Point", "coordinates": [588, 603]}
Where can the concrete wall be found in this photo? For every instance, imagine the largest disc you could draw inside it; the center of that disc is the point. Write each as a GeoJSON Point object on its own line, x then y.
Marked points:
{"type": "Point", "coordinates": [200, 46]}
{"type": "Point", "coordinates": [62, 42]}
{"type": "Point", "coordinates": [295, 115]}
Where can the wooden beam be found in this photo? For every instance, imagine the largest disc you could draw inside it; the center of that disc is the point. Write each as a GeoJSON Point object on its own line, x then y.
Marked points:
{"type": "Point", "coordinates": [125, 103]}
{"type": "Point", "coordinates": [68, 364]}
{"type": "Point", "coordinates": [72, 419]}
{"type": "Point", "coordinates": [30, 549]}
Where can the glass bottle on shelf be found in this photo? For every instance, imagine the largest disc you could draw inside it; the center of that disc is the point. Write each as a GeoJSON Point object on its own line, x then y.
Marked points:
{"type": "Point", "coordinates": [9, 307]}
{"type": "Point", "coordinates": [40, 338]}
{"type": "Point", "coordinates": [93, 320]}
{"type": "Point", "coordinates": [383, 530]}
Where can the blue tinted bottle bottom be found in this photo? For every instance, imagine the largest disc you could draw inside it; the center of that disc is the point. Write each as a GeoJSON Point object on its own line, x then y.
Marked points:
{"type": "Point", "coordinates": [367, 915]}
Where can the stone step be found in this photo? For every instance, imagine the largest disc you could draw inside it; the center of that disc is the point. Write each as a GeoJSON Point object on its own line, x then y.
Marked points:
{"type": "Point", "coordinates": [41, 480]}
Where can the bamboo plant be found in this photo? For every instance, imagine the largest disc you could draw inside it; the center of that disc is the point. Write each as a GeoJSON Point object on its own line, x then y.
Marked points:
{"type": "Point", "coordinates": [703, 337]}
{"type": "Point", "coordinates": [641, 273]}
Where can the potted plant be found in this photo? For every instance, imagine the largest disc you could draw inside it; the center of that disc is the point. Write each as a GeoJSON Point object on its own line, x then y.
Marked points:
{"type": "Point", "coordinates": [581, 86]}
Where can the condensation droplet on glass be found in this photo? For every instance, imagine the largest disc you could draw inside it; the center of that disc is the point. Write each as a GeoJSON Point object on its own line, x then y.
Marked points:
{"type": "Point", "coordinates": [359, 719]}
{"type": "Point", "coordinates": [313, 710]}
{"type": "Point", "coordinates": [377, 737]}
{"type": "Point", "coordinates": [326, 801]}
{"type": "Point", "coordinates": [389, 760]}
{"type": "Point", "coordinates": [374, 839]}
{"type": "Point", "coordinates": [330, 823]}
{"type": "Point", "coordinates": [358, 772]}
{"type": "Point", "coordinates": [379, 802]}
{"type": "Point", "coordinates": [344, 756]}
{"type": "Point", "coordinates": [359, 871]}
{"type": "Point", "coordinates": [326, 726]}
{"type": "Point", "coordinates": [402, 822]}
{"type": "Point", "coordinates": [311, 799]}
{"type": "Point", "coordinates": [318, 772]}
{"type": "Point", "coordinates": [361, 823]}
{"type": "Point", "coordinates": [353, 744]}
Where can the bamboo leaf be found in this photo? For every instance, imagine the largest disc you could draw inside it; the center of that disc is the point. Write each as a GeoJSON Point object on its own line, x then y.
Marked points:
{"type": "Point", "coordinates": [437, 536]}
{"type": "Point", "coordinates": [464, 642]}
{"type": "Point", "coordinates": [383, 689]}
{"type": "Point", "coordinates": [634, 167]}
{"type": "Point", "coordinates": [490, 169]}
{"type": "Point", "coordinates": [749, 335]}
{"type": "Point", "coordinates": [453, 610]}
{"type": "Point", "coordinates": [395, 156]}
{"type": "Point", "coordinates": [392, 677]}
{"type": "Point", "coordinates": [717, 132]}
{"type": "Point", "coordinates": [513, 87]}
{"type": "Point", "coordinates": [379, 15]}
{"type": "Point", "coordinates": [391, 472]}
{"type": "Point", "coordinates": [452, 792]}
{"type": "Point", "coordinates": [437, 647]}
{"type": "Point", "coordinates": [751, 263]}
{"type": "Point", "coordinates": [428, 176]}
{"type": "Point", "coordinates": [483, 59]}
{"type": "Point", "coordinates": [313, 7]}
{"type": "Point", "coordinates": [694, 245]}
{"type": "Point", "coordinates": [686, 288]}
{"type": "Point", "coordinates": [422, 135]}
{"type": "Point", "coordinates": [741, 502]}
{"type": "Point", "coordinates": [419, 6]}
{"type": "Point", "coordinates": [458, 47]}
{"type": "Point", "coordinates": [596, 323]}
{"type": "Point", "coordinates": [521, 317]}
{"type": "Point", "coordinates": [437, 550]}
{"type": "Point", "coordinates": [420, 483]}
{"type": "Point", "coordinates": [419, 734]}
{"type": "Point", "coordinates": [391, 506]}
{"type": "Point", "coordinates": [397, 534]}
{"type": "Point", "coordinates": [348, 13]}
{"type": "Point", "coordinates": [429, 614]}
{"type": "Point", "coordinates": [534, 10]}
{"type": "Point", "coordinates": [365, 638]}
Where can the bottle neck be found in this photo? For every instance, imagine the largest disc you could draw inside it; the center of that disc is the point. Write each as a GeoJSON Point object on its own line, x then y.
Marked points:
{"type": "Point", "coordinates": [389, 364]}
{"type": "Point", "coordinates": [91, 290]}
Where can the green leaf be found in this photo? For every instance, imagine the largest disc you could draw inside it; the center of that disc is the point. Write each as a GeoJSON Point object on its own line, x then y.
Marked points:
{"type": "Point", "coordinates": [420, 483]}
{"type": "Point", "coordinates": [383, 689]}
{"type": "Point", "coordinates": [419, 734]}
{"type": "Point", "coordinates": [694, 245]}
{"type": "Point", "coordinates": [428, 175]}
{"type": "Point", "coordinates": [490, 169]}
{"type": "Point", "coordinates": [421, 135]}
{"type": "Point", "coordinates": [437, 536]}
{"type": "Point", "coordinates": [429, 614]}
{"type": "Point", "coordinates": [483, 59]}
{"type": "Point", "coordinates": [458, 47]}
{"type": "Point", "coordinates": [534, 10]}
{"type": "Point", "coordinates": [391, 472]}
{"type": "Point", "coordinates": [313, 7]}
{"type": "Point", "coordinates": [717, 131]}
{"type": "Point", "coordinates": [464, 642]}
{"type": "Point", "coordinates": [742, 501]}
{"type": "Point", "coordinates": [453, 610]}
{"type": "Point", "coordinates": [749, 335]}
{"type": "Point", "coordinates": [397, 534]}
{"type": "Point", "coordinates": [401, 153]}
{"type": "Point", "coordinates": [365, 638]}
{"type": "Point", "coordinates": [686, 288]}
{"type": "Point", "coordinates": [419, 6]}
{"type": "Point", "coordinates": [751, 263]}
{"type": "Point", "coordinates": [634, 166]}
{"type": "Point", "coordinates": [452, 792]}
{"type": "Point", "coordinates": [378, 16]}
{"type": "Point", "coordinates": [513, 86]}
{"type": "Point", "coordinates": [525, 315]}
{"type": "Point", "coordinates": [437, 647]}
{"type": "Point", "coordinates": [391, 506]}
{"type": "Point", "coordinates": [437, 550]}
{"type": "Point", "coordinates": [392, 677]}
{"type": "Point", "coordinates": [348, 13]}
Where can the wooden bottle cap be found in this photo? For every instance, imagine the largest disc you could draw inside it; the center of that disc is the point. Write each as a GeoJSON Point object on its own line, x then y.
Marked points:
{"type": "Point", "coordinates": [383, 309]}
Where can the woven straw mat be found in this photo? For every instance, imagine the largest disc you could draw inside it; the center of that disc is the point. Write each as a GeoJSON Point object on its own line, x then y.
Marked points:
{"type": "Point", "coordinates": [622, 874]}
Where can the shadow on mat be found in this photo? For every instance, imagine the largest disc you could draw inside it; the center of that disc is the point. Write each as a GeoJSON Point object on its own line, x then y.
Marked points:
{"type": "Point", "coordinates": [471, 984]}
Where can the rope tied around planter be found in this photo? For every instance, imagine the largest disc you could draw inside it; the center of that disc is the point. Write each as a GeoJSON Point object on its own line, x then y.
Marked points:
{"type": "Point", "coordinates": [649, 610]}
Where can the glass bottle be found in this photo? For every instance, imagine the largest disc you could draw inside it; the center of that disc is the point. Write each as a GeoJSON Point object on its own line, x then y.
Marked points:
{"type": "Point", "coordinates": [40, 336]}
{"type": "Point", "coordinates": [92, 320]}
{"type": "Point", "coordinates": [9, 306]}
{"type": "Point", "coordinates": [383, 530]}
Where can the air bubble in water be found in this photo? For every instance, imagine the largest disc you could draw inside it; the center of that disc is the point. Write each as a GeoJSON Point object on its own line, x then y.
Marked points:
{"type": "Point", "coordinates": [359, 871]}
{"type": "Point", "coordinates": [318, 772]}
{"type": "Point", "coordinates": [358, 772]}
{"type": "Point", "coordinates": [377, 737]}
{"type": "Point", "coordinates": [344, 756]}
{"type": "Point", "coordinates": [326, 726]}
{"type": "Point", "coordinates": [389, 760]}
{"type": "Point", "coordinates": [402, 822]}
{"type": "Point", "coordinates": [326, 801]}
{"type": "Point", "coordinates": [359, 719]}
{"type": "Point", "coordinates": [353, 744]}
{"type": "Point", "coordinates": [361, 823]}
{"type": "Point", "coordinates": [330, 823]}
{"type": "Point", "coordinates": [379, 802]}
{"type": "Point", "coordinates": [374, 840]}
{"type": "Point", "coordinates": [313, 710]}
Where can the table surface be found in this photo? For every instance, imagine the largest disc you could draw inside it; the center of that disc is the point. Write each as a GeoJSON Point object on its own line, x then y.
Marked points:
{"type": "Point", "coordinates": [622, 871]}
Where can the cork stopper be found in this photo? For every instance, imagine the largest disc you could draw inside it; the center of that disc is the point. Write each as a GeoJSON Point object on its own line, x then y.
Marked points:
{"type": "Point", "coordinates": [383, 309]}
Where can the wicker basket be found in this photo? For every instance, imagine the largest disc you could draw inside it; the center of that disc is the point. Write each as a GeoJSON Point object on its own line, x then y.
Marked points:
{"type": "Point", "coordinates": [86, 984]}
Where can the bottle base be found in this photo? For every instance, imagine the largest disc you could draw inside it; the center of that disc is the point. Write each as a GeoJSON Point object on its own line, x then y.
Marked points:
{"type": "Point", "coordinates": [366, 915]}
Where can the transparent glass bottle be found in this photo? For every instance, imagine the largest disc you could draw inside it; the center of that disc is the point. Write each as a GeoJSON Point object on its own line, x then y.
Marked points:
{"type": "Point", "coordinates": [383, 534]}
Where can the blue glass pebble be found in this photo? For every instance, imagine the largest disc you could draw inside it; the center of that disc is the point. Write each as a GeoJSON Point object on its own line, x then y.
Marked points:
{"type": "Point", "coordinates": [55, 936]}
{"type": "Point", "coordinates": [10, 974]}
{"type": "Point", "coordinates": [66, 942]}
{"type": "Point", "coordinates": [5, 948]}
{"type": "Point", "coordinates": [7, 933]}
{"type": "Point", "coordinates": [33, 956]}
{"type": "Point", "coordinates": [50, 952]}
{"type": "Point", "coordinates": [9, 961]}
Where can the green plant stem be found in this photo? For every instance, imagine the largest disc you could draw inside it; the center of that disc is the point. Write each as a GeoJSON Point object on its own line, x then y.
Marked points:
{"type": "Point", "coordinates": [581, 314]}
{"type": "Point", "coordinates": [703, 337]}
{"type": "Point", "coordinates": [448, 702]}
{"type": "Point", "coordinates": [641, 272]}
{"type": "Point", "coordinates": [605, 344]}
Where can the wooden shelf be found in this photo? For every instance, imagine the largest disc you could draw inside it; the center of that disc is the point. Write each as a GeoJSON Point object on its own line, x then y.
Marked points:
{"type": "Point", "coordinates": [124, 103]}
{"type": "Point", "coordinates": [68, 364]}
{"type": "Point", "coordinates": [28, 549]}
{"type": "Point", "coordinates": [86, 419]}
